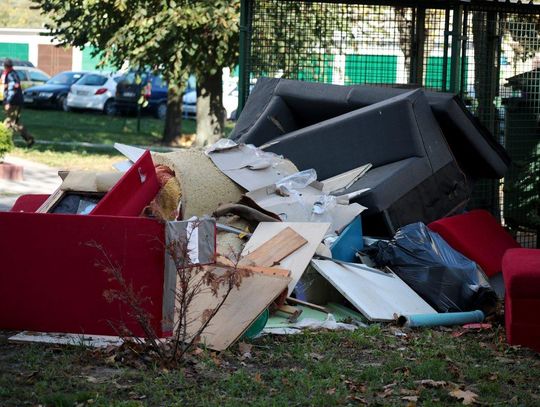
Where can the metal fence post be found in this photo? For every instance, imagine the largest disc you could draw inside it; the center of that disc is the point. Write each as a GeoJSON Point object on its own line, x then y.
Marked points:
{"type": "Point", "coordinates": [243, 73]}
{"type": "Point", "coordinates": [455, 60]}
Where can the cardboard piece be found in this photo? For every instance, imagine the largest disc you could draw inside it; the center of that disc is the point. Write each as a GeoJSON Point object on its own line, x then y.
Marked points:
{"type": "Point", "coordinates": [240, 309]}
{"type": "Point", "coordinates": [299, 207]}
{"type": "Point", "coordinates": [250, 167]}
{"type": "Point", "coordinates": [377, 297]}
{"type": "Point", "coordinates": [298, 260]}
{"type": "Point", "coordinates": [133, 153]}
{"type": "Point", "coordinates": [88, 181]}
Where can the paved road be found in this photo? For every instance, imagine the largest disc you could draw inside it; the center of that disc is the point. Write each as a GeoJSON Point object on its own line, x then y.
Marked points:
{"type": "Point", "coordinates": [38, 179]}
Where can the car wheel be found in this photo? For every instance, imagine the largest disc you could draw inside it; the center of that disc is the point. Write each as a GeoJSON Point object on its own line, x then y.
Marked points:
{"type": "Point", "coordinates": [109, 108]}
{"type": "Point", "coordinates": [161, 111]}
{"type": "Point", "coordinates": [62, 103]}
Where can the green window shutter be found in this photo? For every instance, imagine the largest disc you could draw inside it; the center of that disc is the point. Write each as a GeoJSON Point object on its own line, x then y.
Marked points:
{"type": "Point", "coordinates": [370, 69]}
{"type": "Point", "coordinates": [14, 51]}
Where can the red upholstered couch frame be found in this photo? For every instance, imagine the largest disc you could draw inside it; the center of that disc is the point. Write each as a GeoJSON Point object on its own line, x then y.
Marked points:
{"type": "Point", "coordinates": [50, 280]}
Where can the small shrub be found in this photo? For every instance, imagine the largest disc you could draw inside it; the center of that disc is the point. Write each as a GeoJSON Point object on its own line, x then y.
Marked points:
{"type": "Point", "coordinates": [6, 140]}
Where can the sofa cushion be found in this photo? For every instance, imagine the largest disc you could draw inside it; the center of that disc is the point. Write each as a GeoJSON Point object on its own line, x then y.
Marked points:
{"type": "Point", "coordinates": [479, 236]}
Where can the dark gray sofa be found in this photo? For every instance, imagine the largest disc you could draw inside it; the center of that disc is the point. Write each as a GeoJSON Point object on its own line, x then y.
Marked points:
{"type": "Point", "coordinates": [415, 176]}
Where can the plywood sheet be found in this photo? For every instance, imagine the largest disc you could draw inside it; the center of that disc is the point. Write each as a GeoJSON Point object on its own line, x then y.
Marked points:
{"type": "Point", "coordinates": [276, 249]}
{"type": "Point", "coordinates": [298, 260]}
{"type": "Point", "coordinates": [240, 309]}
{"type": "Point", "coordinates": [376, 296]}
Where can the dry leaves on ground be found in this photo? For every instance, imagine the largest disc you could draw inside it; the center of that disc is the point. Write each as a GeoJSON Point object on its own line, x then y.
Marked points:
{"type": "Point", "coordinates": [467, 396]}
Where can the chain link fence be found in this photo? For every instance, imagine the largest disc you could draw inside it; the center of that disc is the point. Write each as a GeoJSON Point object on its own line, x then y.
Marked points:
{"type": "Point", "coordinates": [487, 52]}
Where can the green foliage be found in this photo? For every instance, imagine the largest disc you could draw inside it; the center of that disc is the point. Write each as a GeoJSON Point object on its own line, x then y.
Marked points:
{"type": "Point", "coordinates": [20, 14]}
{"type": "Point", "coordinates": [176, 37]}
{"type": "Point", "coordinates": [6, 140]}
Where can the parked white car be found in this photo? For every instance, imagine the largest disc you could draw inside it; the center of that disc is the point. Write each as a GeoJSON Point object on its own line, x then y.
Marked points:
{"type": "Point", "coordinates": [230, 103]}
{"type": "Point", "coordinates": [94, 91]}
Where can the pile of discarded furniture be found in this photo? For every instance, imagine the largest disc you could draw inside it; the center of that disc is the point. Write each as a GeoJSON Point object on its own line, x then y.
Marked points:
{"type": "Point", "coordinates": [345, 204]}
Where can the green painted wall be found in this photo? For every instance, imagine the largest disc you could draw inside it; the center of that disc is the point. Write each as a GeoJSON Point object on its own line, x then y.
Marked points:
{"type": "Point", "coordinates": [89, 63]}
{"type": "Point", "coordinates": [433, 78]}
{"type": "Point", "coordinates": [318, 69]}
{"type": "Point", "coordinates": [14, 50]}
{"type": "Point", "coordinates": [370, 69]}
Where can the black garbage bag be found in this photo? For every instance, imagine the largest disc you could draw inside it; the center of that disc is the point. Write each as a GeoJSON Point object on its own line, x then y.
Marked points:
{"type": "Point", "coordinates": [443, 277]}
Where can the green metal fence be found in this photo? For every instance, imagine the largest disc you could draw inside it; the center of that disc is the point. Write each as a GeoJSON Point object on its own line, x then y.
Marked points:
{"type": "Point", "coordinates": [485, 51]}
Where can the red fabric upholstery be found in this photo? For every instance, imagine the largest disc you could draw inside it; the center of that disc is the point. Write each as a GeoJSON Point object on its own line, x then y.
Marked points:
{"type": "Point", "coordinates": [478, 236]}
{"type": "Point", "coordinates": [29, 203]}
{"type": "Point", "coordinates": [49, 280]}
{"type": "Point", "coordinates": [133, 192]}
{"type": "Point", "coordinates": [521, 272]}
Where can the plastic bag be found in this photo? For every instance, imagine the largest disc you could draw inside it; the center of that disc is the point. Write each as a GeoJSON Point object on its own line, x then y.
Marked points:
{"type": "Point", "coordinates": [443, 277]}
{"type": "Point", "coordinates": [300, 180]}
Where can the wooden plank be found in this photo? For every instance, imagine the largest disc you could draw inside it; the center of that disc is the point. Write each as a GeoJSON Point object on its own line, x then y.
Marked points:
{"type": "Point", "coordinates": [376, 296]}
{"type": "Point", "coordinates": [51, 201]}
{"type": "Point", "coordinates": [275, 249]}
{"type": "Point", "coordinates": [299, 260]}
{"type": "Point", "coordinates": [240, 309]}
{"type": "Point", "coordinates": [273, 271]}
{"type": "Point", "coordinates": [307, 304]}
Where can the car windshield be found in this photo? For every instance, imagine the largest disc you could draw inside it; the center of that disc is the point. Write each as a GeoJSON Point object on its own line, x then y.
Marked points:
{"type": "Point", "coordinates": [65, 78]}
{"type": "Point", "coordinates": [93, 80]}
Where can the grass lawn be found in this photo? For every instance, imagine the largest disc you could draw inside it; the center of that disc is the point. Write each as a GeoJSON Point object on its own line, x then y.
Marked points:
{"type": "Point", "coordinates": [375, 366]}
{"type": "Point", "coordinates": [58, 130]}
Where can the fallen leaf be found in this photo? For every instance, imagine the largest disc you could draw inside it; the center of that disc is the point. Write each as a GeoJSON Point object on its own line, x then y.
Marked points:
{"type": "Point", "coordinates": [387, 392]}
{"type": "Point", "coordinates": [316, 356]}
{"type": "Point", "coordinates": [257, 378]}
{"type": "Point", "coordinates": [431, 383]}
{"type": "Point", "coordinates": [390, 385]}
{"type": "Point", "coordinates": [408, 392]}
{"type": "Point", "coordinates": [360, 400]}
{"type": "Point", "coordinates": [197, 351]}
{"type": "Point", "coordinates": [494, 377]}
{"type": "Point", "coordinates": [244, 347]}
{"type": "Point", "coordinates": [405, 370]}
{"type": "Point", "coordinates": [412, 399]}
{"type": "Point", "coordinates": [245, 350]}
{"type": "Point", "coordinates": [331, 391]}
{"type": "Point", "coordinates": [467, 396]}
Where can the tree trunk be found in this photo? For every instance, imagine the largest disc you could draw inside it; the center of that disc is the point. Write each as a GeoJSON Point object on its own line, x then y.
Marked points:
{"type": "Point", "coordinates": [210, 111]}
{"type": "Point", "coordinates": [173, 121]}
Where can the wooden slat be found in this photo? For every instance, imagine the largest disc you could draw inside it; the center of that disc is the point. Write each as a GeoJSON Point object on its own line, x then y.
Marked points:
{"type": "Point", "coordinates": [275, 249]}
{"type": "Point", "coordinates": [240, 309]}
{"type": "Point", "coordinates": [51, 201]}
{"type": "Point", "coordinates": [299, 260]}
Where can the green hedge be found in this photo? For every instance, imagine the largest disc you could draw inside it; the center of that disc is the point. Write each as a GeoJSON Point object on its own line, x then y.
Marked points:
{"type": "Point", "coordinates": [6, 140]}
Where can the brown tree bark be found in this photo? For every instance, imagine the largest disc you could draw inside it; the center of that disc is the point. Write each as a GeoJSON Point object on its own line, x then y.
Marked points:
{"type": "Point", "coordinates": [173, 121]}
{"type": "Point", "coordinates": [210, 111]}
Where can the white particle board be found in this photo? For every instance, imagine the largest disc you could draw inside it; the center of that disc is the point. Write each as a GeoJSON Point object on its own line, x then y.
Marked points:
{"type": "Point", "coordinates": [377, 297]}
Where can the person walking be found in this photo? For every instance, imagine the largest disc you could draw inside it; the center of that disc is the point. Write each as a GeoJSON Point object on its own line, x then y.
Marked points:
{"type": "Point", "coordinates": [13, 101]}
